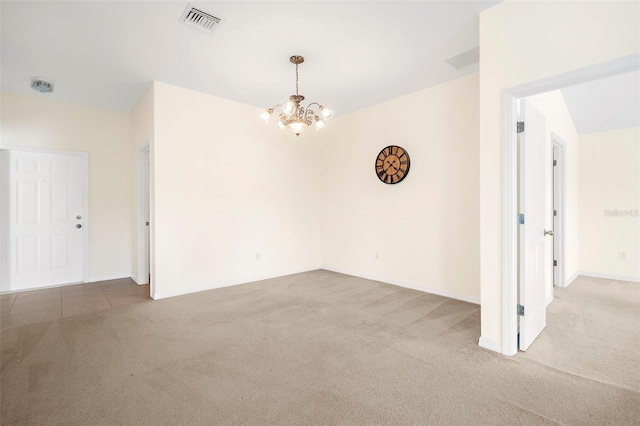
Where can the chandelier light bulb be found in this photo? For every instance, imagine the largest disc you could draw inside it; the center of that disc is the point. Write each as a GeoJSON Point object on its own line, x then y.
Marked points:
{"type": "Point", "coordinates": [266, 115]}
{"type": "Point", "coordinates": [289, 108]}
{"type": "Point", "coordinates": [326, 112]}
{"type": "Point", "coordinates": [298, 127]}
{"type": "Point", "coordinates": [320, 124]}
{"type": "Point", "coordinates": [281, 125]}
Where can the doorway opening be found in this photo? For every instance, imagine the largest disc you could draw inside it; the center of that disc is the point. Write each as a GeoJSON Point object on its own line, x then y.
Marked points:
{"type": "Point", "coordinates": [144, 216]}
{"type": "Point", "coordinates": [512, 310]}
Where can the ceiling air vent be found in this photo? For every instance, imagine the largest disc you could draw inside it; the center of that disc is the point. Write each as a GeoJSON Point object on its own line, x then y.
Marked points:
{"type": "Point", "coordinates": [198, 18]}
{"type": "Point", "coordinates": [465, 59]}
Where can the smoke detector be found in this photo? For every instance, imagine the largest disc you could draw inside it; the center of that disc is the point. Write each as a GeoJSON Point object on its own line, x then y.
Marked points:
{"type": "Point", "coordinates": [198, 18]}
{"type": "Point", "coordinates": [41, 85]}
{"type": "Point", "coordinates": [465, 59]}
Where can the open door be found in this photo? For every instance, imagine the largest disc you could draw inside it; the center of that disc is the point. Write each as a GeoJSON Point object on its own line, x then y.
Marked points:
{"type": "Point", "coordinates": [535, 270]}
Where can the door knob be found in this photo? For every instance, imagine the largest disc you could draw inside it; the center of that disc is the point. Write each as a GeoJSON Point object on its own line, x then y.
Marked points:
{"type": "Point", "coordinates": [548, 232]}
{"type": "Point", "coordinates": [78, 226]}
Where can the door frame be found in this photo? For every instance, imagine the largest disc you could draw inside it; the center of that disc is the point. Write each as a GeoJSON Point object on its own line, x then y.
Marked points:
{"type": "Point", "coordinates": [510, 97]}
{"type": "Point", "coordinates": [559, 232]}
{"type": "Point", "coordinates": [84, 158]}
{"type": "Point", "coordinates": [144, 185]}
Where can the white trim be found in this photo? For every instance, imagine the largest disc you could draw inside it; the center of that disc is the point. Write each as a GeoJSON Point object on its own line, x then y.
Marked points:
{"type": "Point", "coordinates": [556, 140]}
{"type": "Point", "coordinates": [548, 300]}
{"type": "Point", "coordinates": [143, 267]}
{"type": "Point", "coordinates": [84, 156]}
{"type": "Point", "coordinates": [108, 277]}
{"type": "Point", "coordinates": [412, 286]}
{"type": "Point", "coordinates": [152, 219]}
{"type": "Point", "coordinates": [158, 296]}
{"type": "Point", "coordinates": [4, 217]}
{"type": "Point", "coordinates": [509, 176]}
{"type": "Point", "coordinates": [492, 345]}
{"type": "Point", "coordinates": [608, 277]}
{"type": "Point", "coordinates": [572, 279]}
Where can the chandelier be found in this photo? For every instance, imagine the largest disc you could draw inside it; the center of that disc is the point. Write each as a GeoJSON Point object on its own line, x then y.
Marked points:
{"type": "Point", "coordinates": [293, 116]}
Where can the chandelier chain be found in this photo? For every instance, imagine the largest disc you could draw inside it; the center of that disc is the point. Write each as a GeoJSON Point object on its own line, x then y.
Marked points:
{"type": "Point", "coordinates": [297, 79]}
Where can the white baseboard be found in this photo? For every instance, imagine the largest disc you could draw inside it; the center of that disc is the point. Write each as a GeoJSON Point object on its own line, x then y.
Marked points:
{"type": "Point", "coordinates": [608, 277]}
{"type": "Point", "coordinates": [572, 279]}
{"type": "Point", "coordinates": [549, 300]}
{"type": "Point", "coordinates": [492, 345]}
{"type": "Point", "coordinates": [163, 295]}
{"type": "Point", "coordinates": [445, 293]}
{"type": "Point", "coordinates": [135, 278]}
{"type": "Point", "coordinates": [108, 277]}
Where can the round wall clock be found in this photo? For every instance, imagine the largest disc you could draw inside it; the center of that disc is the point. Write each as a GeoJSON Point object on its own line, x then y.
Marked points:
{"type": "Point", "coordinates": [392, 164]}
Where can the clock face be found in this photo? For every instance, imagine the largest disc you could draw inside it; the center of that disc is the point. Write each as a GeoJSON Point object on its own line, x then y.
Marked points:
{"type": "Point", "coordinates": [392, 164]}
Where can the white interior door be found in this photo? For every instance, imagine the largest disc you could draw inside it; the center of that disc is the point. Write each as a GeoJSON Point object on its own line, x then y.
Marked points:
{"type": "Point", "coordinates": [45, 220]}
{"type": "Point", "coordinates": [535, 270]}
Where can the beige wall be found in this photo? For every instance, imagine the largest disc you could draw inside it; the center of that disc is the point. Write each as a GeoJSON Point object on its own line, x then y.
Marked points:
{"type": "Point", "coordinates": [425, 229]}
{"type": "Point", "coordinates": [559, 121]}
{"type": "Point", "coordinates": [610, 180]}
{"type": "Point", "coordinates": [141, 132]}
{"type": "Point", "coordinates": [227, 188]}
{"type": "Point", "coordinates": [37, 122]}
{"type": "Point", "coordinates": [522, 42]}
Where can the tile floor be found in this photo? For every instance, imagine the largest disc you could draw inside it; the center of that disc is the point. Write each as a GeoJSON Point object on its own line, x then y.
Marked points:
{"type": "Point", "coordinates": [28, 307]}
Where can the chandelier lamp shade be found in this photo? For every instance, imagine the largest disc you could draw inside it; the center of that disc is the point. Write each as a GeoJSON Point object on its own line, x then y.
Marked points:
{"type": "Point", "coordinates": [295, 117]}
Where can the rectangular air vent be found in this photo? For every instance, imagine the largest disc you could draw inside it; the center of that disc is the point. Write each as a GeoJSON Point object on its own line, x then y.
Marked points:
{"type": "Point", "coordinates": [465, 59]}
{"type": "Point", "coordinates": [198, 18]}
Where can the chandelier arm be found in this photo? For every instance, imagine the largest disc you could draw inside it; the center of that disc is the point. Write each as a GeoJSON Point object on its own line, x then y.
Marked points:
{"type": "Point", "coordinates": [297, 80]}
{"type": "Point", "coordinates": [313, 103]}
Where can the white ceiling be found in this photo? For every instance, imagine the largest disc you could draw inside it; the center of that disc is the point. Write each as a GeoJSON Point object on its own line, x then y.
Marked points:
{"type": "Point", "coordinates": [607, 104]}
{"type": "Point", "coordinates": [357, 53]}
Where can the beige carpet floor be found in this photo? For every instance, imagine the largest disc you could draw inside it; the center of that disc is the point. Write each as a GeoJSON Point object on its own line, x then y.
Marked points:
{"type": "Point", "coordinates": [324, 348]}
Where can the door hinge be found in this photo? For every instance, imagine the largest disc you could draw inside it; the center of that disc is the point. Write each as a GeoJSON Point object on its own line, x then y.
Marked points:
{"type": "Point", "coordinates": [555, 162]}
{"type": "Point", "coordinates": [520, 310]}
{"type": "Point", "coordinates": [555, 212]}
{"type": "Point", "coordinates": [555, 263]}
{"type": "Point", "coordinates": [521, 218]}
{"type": "Point", "coordinates": [520, 126]}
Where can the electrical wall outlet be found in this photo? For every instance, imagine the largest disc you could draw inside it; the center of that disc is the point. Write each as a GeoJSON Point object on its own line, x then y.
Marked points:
{"type": "Point", "coordinates": [377, 255]}
{"type": "Point", "coordinates": [622, 255]}
{"type": "Point", "coordinates": [257, 256]}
